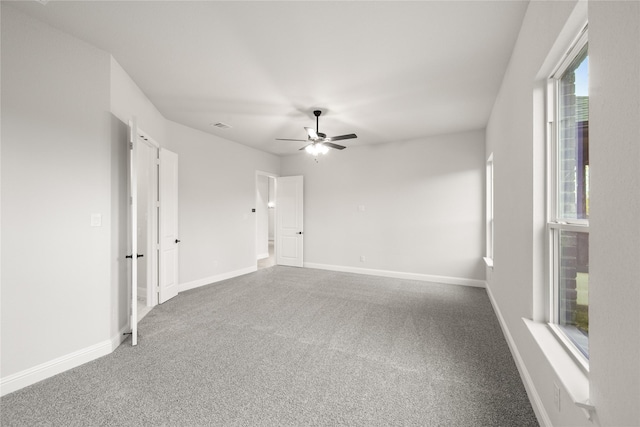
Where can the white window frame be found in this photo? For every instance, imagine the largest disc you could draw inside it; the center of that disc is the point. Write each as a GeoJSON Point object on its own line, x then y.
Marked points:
{"type": "Point", "coordinates": [489, 226]}
{"type": "Point", "coordinates": [555, 224]}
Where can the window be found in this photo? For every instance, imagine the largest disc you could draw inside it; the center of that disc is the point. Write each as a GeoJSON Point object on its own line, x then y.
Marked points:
{"type": "Point", "coordinates": [488, 259]}
{"type": "Point", "coordinates": [568, 199]}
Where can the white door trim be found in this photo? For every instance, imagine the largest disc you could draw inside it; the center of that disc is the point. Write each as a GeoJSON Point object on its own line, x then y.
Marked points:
{"type": "Point", "coordinates": [255, 219]}
{"type": "Point", "coordinates": [132, 150]}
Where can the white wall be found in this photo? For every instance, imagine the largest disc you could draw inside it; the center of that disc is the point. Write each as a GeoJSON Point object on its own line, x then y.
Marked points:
{"type": "Point", "coordinates": [64, 283]}
{"type": "Point", "coordinates": [56, 173]}
{"type": "Point", "coordinates": [423, 207]}
{"type": "Point", "coordinates": [128, 101]}
{"type": "Point", "coordinates": [515, 135]}
{"type": "Point", "coordinates": [217, 190]}
{"type": "Point", "coordinates": [614, 288]}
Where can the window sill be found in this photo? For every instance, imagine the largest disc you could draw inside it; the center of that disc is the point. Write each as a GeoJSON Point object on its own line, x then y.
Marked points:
{"type": "Point", "coordinates": [570, 373]}
{"type": "Point", "coordinates": [488, 261]}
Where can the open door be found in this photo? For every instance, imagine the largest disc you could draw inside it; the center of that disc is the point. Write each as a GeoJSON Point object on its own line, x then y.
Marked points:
{"type": "Point", "coordinates": [133, 228]}
{"type": "Point", "coordinates": [169, 241]}
{"type": "Point", "coordinates": [289, 221]}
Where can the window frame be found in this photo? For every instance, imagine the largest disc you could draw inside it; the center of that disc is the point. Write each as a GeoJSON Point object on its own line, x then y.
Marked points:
{"type": "Point", "coordinates": [490, 223]}
{"type": "Point", "coordinates": [556, 224]}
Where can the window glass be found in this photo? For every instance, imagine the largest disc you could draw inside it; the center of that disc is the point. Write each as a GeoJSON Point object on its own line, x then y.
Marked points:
{"type": "Point", "coordinates": [573, 288]}
{"type": "Point", "coordinates": [573, 140]}
{"type": "Point", "coordinates": [569, 198]}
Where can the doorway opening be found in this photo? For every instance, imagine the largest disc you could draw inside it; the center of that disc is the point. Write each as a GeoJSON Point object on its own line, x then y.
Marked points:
{"type": "Point", "coordinates": [147, 223]}
{"type": "Point", "coordinates": [265, 220]}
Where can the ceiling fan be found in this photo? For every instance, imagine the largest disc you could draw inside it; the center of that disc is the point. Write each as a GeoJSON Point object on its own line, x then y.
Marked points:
{"type": "Point", "coordinates": [320, 143]}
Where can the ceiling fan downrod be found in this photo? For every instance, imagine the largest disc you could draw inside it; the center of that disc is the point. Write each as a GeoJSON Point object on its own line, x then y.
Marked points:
{"type": "Point", "coordinates": [317, 114]}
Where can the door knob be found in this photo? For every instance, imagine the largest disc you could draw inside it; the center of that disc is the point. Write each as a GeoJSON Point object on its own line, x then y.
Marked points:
{"type": "Point", "coordinates": [177, 241]}
{"type": "Point", "coordinates": [299, 232]}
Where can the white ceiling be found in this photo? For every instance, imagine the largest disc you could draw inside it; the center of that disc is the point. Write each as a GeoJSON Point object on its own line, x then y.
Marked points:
{"type": "Point", "coordinates": [385, 70]}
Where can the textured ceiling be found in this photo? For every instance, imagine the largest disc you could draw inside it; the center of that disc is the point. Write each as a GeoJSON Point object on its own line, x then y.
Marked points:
{"type": "Point", "coordinates": [385, 70]}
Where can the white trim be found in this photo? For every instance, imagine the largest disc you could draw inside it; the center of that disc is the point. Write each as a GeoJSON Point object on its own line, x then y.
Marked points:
{"type": "Point", "coordinates": [532, 392]}
{"type": "Point", "coordinates": [488, 261]}
{"type": "Point", "coordinates": [570, 373]}
{"type": "Point", "coordinates": [147, 139]}
{"type": "Point", "coordinates": [255, 217]}
{"type": "Point", "coordinates": [217, 278]}
{"type": "Point", "coordinates": [61, 364]}
{"type": "Point", "coordinates": [579, 228]}
{"type": "Point", "coordinates": [489, 210]}
{"type": "Point", "coordinates": [569, 346]}
{"type": "Point", "coordinates": [400, 275]}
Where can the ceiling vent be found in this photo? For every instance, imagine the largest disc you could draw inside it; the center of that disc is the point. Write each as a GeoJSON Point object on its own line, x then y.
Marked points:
{"type": "Point", "coordinates": [221, 125]}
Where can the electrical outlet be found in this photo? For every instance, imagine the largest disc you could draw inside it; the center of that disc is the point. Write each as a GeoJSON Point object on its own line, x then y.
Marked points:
{"type": "Point", "coordinates": [363, 258]}
{"type": "Point", "coordinates": [556, 396]}
{"type": "Point", "coordinates": [96, 220]}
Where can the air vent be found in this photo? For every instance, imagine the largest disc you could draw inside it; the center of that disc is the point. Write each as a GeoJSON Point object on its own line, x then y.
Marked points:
{"type": "Point", "coordinates": [221, 125]}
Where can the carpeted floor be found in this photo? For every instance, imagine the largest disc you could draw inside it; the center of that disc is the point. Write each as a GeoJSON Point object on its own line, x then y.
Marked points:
{"type": "Point", "coordinates": [289, 346]}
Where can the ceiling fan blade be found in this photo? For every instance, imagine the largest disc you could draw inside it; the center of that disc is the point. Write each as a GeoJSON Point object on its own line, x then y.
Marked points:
{"type": "Point", "coordinates": [336, 146]}
{"type": "Point", "coordinates": [306, 146]}
{"type": "Point", "coordinates": [312, 133]}
{"type": "Point", "coordinates": [341, 137]}
{"type": "Point", "coordinates": [287, 139]}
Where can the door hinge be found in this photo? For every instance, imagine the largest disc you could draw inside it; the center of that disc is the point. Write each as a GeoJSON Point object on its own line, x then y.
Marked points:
{"type": "Point", "coordinates": [131, 146]}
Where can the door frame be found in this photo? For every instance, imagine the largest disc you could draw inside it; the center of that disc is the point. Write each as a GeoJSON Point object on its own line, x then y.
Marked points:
{"type": "Point", "coordinates": [255, 217]}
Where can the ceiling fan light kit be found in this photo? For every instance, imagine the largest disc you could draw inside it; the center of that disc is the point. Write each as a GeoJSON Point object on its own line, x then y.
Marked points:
{"type": "Point", "coordinates": [317, 148]}
{"type": "Point", "coordinates": [319, 142]}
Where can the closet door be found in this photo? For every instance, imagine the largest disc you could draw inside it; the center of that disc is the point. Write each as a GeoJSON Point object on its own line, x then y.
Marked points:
{"type": "Point", "coordinates": [169, 239]}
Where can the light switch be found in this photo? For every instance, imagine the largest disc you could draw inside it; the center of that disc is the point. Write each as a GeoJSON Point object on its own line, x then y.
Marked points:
{"type": "Point", "coordinates": [96, 220]}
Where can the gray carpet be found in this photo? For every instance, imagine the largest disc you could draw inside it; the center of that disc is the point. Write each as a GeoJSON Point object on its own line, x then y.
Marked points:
{"type": "Point", "coordinates": [288, 346]}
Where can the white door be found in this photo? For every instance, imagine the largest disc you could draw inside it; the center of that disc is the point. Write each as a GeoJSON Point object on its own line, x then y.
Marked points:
{"type": "Point", "coordinates": [169, 241]}
{"type": "Point", "coordinates": [289, 221]}
{"type": "Point", "coordinates": [133, 227]}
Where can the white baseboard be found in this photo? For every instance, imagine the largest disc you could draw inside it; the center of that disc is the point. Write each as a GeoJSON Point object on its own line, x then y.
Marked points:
{"type": "Point", "coordinates": [400, 275]}
{"type": "Point", "coordinates": [217, 278]}
{"type": "Point", "coordinates": [534, 397]}
{"type": "Point", "coordinates": [56, 366]}
{"type": "Point", "coordinates": [263, 255]}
